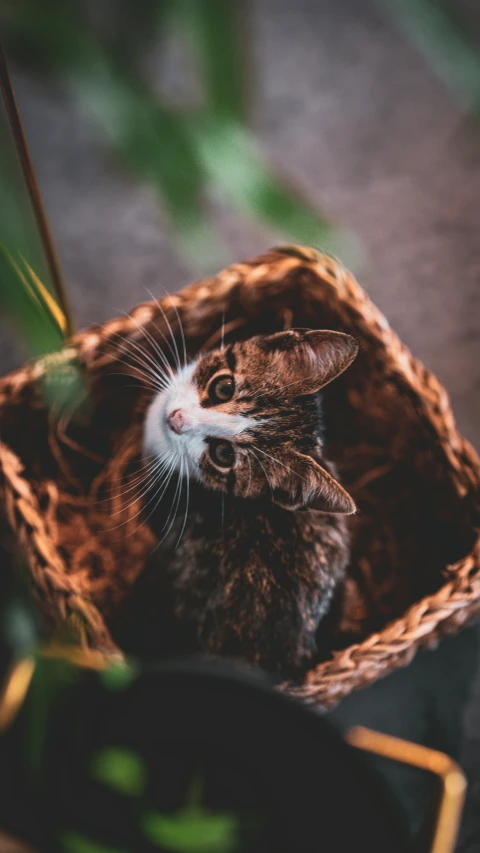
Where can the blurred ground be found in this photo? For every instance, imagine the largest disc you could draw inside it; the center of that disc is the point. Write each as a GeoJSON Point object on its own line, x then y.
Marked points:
{"type": "Point", "coordinates": [349, 110]}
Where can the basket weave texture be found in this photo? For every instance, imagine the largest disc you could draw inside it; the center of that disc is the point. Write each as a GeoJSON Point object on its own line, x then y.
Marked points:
{"type": "Point", "coordinates": [415, 569]}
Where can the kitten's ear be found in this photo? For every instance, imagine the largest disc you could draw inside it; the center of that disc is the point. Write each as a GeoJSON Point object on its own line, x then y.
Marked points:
{"type": "Point", "coordinates": [306, 485]}
{"type": "Point", "coordinates": [312, 359]}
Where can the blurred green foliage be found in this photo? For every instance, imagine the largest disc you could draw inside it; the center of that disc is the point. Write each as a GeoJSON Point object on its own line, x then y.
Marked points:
{"type": "Point", "coordinates": [25, 299]}
{"type": "Point", "coordinates": [17, 226]}
{"type": "Point", "coordinates": [197, 833]}
{"type": "Point", "coordinates": [193, 828]}
{"type": "Point", "coordinates": [435, 28]}
{"type": "Point", "coordinates": [118, 675]}
{"type": "Point", "coordinates": [73, 842]}
{"type": "Point", "coordinates": [21, 253]}
{"type": "Point", "coordinates": [54, 740]}
{"type": "Point", "coordinates": [180, 152]}
{"type": "Point", "coordinates": [120, 769]}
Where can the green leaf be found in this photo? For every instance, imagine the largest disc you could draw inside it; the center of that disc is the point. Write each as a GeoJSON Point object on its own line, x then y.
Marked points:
{"type": "Point", "coordinates": [29, 306]}
{"type": "Point", "coordinates": [196, 829]}
{"type": "Point", "coordinates": [73, 842]}
{"type": "Point", "coordinates": [43, 325]}
{"type": "Point", "coordinates": [45, 298]}
{"type": "Point", "coordinates": [120, 769]}
{"type": "Point", "coordinates": [118, 676]}
{"type": "Point", "coordinates": [185, 833]}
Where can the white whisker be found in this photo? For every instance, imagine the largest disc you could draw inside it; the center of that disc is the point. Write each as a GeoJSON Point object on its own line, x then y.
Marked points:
{"type": "Point", "coordinates": [163, 488]}
{"type": "Point", "coordinates": [175, 352]}
{"type": "Point", "coordinates": [175, 504]}
{"type": "Point", "coordinates": [136, 361]}
{"type": "Point", "coordinates": [250, 470]}
{"type": "Point", "coordinates": [222, 344]}
{"type": "Point", "coordinates": [282, 387]}
{"type": "Point", "coordinates": [277, 461]}
{"type": "Point", "coordinates": [149, 482]}
{"type": "Point", "coordinates": [146, 458]}
{"type": "Point", "coordinates": [186, 505]}
{"type": "Point", "coordinates": [160, 370]}
{"type": "Point", "coordinates": [155, 506]}
{"type": "Point", "coordinates": [145, 380]}
{"type": "Point", "coordinates": [266, 477]}
{"type": "Point", "coordinates": [136, 385]}
{"type": "Point", "coordinates": [116, 491]}
{"type": "Point", "coordinates": [143, 363]}
{"type": "Point", "coordinates": [159, 351]}
{"type": "Point", "coordinates": [165, 485]}
{"type": "Point", "coordinates": [155, 345]}
{"type": "Point", "coordinates": [180, 325]}
{"type": "Point", "coordinates": [144, 356]}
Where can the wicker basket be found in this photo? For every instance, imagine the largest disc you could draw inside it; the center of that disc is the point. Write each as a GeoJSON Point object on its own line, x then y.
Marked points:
{"type": "Point", "coordinates": [415, 570]}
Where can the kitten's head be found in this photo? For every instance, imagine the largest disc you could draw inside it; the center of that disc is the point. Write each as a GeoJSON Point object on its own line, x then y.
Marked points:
{"type": "Point", "coordinates": [244, 419]}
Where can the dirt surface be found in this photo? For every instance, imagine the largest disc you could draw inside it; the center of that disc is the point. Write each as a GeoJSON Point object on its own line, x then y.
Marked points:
{"type": "Point", "coordinates": [348, 110]}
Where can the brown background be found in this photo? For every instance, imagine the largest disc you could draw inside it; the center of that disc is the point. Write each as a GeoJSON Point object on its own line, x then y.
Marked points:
{"type": "Point", "coordinates": [346, 107]}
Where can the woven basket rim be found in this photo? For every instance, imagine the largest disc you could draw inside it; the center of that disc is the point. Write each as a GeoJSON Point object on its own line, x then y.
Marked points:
{"type": "Point", "coordinates": [455, 603]}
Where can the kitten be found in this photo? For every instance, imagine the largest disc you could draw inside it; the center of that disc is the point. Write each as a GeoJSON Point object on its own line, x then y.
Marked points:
{"type": "Point", "coordinates": [250, 565]}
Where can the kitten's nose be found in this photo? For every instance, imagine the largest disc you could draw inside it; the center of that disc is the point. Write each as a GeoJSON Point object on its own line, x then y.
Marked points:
{"type": "Point", "coordinates": [176, 420]}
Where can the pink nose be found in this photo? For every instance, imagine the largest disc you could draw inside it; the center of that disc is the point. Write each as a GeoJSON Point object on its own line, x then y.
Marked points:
{"type": "Point", "coordinates": [176, 420]}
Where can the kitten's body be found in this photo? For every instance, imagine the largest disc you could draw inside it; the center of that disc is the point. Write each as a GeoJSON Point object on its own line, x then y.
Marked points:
{"type": "Point", "coordinates": [249, 566]}
{"type": "Point", "coordinates": [252, 579]}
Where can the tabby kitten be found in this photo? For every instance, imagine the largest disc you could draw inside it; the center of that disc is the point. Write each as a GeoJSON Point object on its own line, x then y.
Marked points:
{"type": "Point", "coordinates": [249, 562]}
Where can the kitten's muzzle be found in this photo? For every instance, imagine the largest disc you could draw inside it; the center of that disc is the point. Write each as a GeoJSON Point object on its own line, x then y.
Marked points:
{"type": "Point", "coordinates": [177, 421]}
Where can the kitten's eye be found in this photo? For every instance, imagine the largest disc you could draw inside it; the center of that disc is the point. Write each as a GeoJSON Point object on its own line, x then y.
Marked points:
{"type": "Point", "coordinates": [221, 389]}
{"type": "Point", "coordinates": [222, 453]}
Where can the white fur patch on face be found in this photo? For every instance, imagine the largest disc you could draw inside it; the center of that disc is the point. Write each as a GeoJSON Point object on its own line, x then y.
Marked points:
{"type": "Point", "coordinates": [199, 423]}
